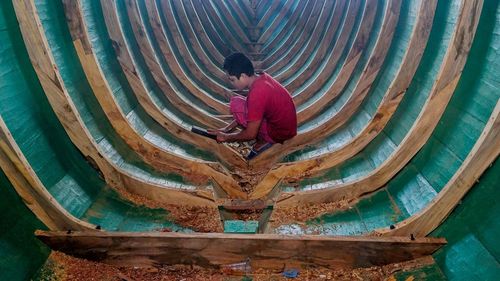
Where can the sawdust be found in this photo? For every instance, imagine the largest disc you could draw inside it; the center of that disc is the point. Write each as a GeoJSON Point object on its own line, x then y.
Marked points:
{"type": "Point", "coordinates": [198, 218]}
{"type": "Point", "coordinates": [303, 213]}
{"type": "Point", "coordinates": [248, 178]}
{"type": "Point", "coordinates": [67, 268]}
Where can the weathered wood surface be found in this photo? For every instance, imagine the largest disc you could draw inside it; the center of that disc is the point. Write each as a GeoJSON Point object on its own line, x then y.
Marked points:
{"type": "Point", "coordinates": [30, 188]}
{"type": "Point", "coordinates": [165, 44]}
{"type": "Point", "coordinates": [177, 99]}
{"type": "Point", "coordinates": [329, 40]}
{"type": "Point", "coordinates": [353, 12]}
{"type": "Point", "coordinates": [309, 46]}
{"type": "Point", "coordinates": [320, 131]}
{"type": "Point", "coordinates": [440, 95]}
{"type": "Point", "coordinates": [261, 250]}
{"type": "Point", "coordinates": [481, 156]}
{"type": "Point", "coordinates": [371, 69]}
{"type": "Point", "coordinates": [182, 38]}
{"type": "Point", "coordinates": [223, 152]}
{"type": "Point", "coordinates": [387, 107]}
{"type": "Point", "coordinates": [57, 95]}
{"type": "Point", "coordinates": [291, 37]}
{"type": "Point", "coordinates": [292, 49]}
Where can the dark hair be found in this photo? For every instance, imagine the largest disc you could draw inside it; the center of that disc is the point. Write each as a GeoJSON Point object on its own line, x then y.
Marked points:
{"type": "Point", "coordinates": [237, 63]}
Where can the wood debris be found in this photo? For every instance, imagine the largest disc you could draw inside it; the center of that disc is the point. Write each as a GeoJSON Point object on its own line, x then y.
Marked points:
{"type": "Point", "coordinates": [303, 213]}
{"type": "Point", "coordinates": [61, 267]}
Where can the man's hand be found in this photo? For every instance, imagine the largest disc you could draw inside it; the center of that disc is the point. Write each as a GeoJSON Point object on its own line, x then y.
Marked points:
{"type": "Point", "coordinates": [221, 137]}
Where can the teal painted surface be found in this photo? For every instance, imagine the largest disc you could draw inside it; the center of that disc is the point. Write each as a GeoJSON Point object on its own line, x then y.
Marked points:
{"type": "Point", "coordinates": [125, 97]}
{"type": "Point", "coordinates": [175, 50]}
{"type": "Point", "coordinates": [155, 91]}
{"type": "Point", "coordinates": [60, 167]}
{"type": "Point", "coordinates": [239, 226]}
{"type": "Point", "coordinates": [399, 125]}
{"type": "Point", "coordinates": [472, 231]}
{"type": "Point", "coordinates": [181, 12]}
{"type": "Point", "coordinates": [434, 165]}
{"type": "Point", "coordinates": [55, 27]}
{"type": "Point", "coordinates": [21, 254]}
{"type": "Point", "coordinates": [426, 273]}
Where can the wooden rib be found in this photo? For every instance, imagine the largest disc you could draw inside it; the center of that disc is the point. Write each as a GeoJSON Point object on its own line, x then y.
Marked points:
{"type": "Point", "coordinates": [287, 28]}
{"type": "Point", "coordinates": [128, 67]}
{"type": "Point", "coordinates": [334, 57]}
{"type": "Point", "coordinates": [441, 93]}
{"type": "Point", "coordinates": [347, 69]}
{"type": "Point", "coordinates": [223, 152]}
{"type": "Point", "coordinates": [331, 37]}
{"type": "Point", "coordinates": [221, 28]}
{"type": "Point", "coordinates": [147, 151]}
{"type": "Point", "coordinates": [200, 36]}
{"type": "Point", "coordinates": [50, 80]}
{"type": "Point", "coordinates": [386, 109]}
{"type": "Point", "coordinates": [209, 35]}
{"type": "Point", "coordinates": [308, 47]}
{"type": "Point", "coordinates": [292, 36]}
{"type": "Point", "coordinates": [292, 50]}
{"type": "Point", "coordinates": [361, 89]}
{"type": "Point", "coordinates": [482, 155]}
{"type": "Point", "coordinates": [30, 188]}
{"type": "Point", "coordinates": [169, 56]}
{"type": "Point", "coordinates": [260, 250]}
{"type": "Point", "coordinates": [223, 13]}
{"type": "Point", "coordinates": [203, 80]}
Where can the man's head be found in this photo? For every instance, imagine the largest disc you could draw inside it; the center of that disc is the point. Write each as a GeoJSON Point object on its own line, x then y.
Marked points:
{"type": "Point", "coordinates": [239, 70]}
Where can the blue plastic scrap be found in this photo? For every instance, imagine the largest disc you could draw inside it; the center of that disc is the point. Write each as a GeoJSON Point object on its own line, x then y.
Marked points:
{"type": "Point", "coordinates": [291, 273]}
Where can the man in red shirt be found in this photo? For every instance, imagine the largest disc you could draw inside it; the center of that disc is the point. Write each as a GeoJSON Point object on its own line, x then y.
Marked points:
{"type": "Point", "coordinates": [267, 114]}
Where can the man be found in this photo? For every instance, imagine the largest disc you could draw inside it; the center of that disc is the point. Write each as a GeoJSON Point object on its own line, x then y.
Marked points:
{"type": "Point", "coordinates": [267, 114]}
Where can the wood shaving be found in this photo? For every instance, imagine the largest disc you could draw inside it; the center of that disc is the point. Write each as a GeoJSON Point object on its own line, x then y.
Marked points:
{"type": "Point", "coordinates": [303, 213]}
{"type": "Point", "coordinates": [67, 268]}
{"type": "Point", "coordinates": [200, 219]}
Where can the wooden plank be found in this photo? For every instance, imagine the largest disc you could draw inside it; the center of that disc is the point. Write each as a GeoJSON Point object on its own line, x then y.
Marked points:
{"type": "Point", "coordinates": [481, 156]}
{"type": "Point", "coordinates": [330, 39]}
{"type": "Point", "coordinates": [310, 47]}
{"type": "Point", "coordinates": [180, 27]}
{"type": "Point", "coordinates": [261, 250]}
{"type": "Point", "coordinates": [291, 37]}
{"type": "Point", "coordinates": [441, 93]}
{"type": "Point", "coordinates": [223, 152]}
{"type": "Point", "coordinates": [166, 45]}
{"type": "Point", "coordinates": [294, 17]}
{"type": "Point", "coordinates": [30, 188]}
{"type": "Point", "coordinates": [360, 91]}
{"type": "Point", "coordinates": [66, 112]}
{"type": "Point", "coordinates": [389, 104]}
{"type": "Point", "coordinates": [126, 62]}
{"type": "Point", "coordinates": [299, 40]}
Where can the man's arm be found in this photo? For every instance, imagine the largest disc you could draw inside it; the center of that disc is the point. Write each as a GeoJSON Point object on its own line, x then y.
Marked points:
{"type": "Point", "coordinates": [249, 133]}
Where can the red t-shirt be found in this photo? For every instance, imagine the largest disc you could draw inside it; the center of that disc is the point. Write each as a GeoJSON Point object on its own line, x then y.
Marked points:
{"type": "Point", "coordinates": [269, 100]}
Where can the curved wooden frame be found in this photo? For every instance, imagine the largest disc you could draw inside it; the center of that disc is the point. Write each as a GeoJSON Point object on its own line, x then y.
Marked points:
{"type": "Point", "coordinates": [442, 90]}
{"type": "Point", "coordinates": [51, 82]}
{"type": "Point", "coordinates": [352, 104]}
{"type": "Point", "coordinates": [482, 155]}
{"type": "Point", "coordinates": [224, 152]}
{"type": "Point", "coordinates": [160, 35]}
{"type": "Point", "coordinates": [386, 109]}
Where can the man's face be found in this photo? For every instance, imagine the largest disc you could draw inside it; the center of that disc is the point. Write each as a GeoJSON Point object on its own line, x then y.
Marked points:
{"type": "Point", "coordinates": [238, 84]}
